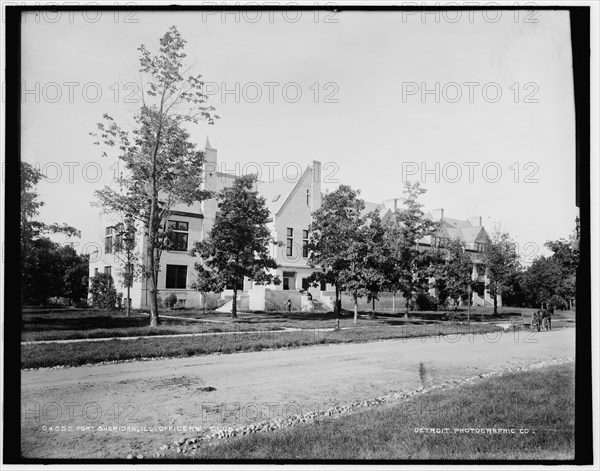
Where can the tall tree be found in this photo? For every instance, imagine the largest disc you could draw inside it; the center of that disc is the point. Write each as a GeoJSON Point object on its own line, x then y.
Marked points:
{"type": "Point", "coordinates": [75, 281]}
{"type": "Point", "coordinates": [501, 260]}
{"type": "Point", "coordinates": [163, 168]}
{"type": "Point", "coordinates": [541, 280]}
{"type": "Point", "coordinates": [239, 243]}
{"type": "Point", "coordinates": [368, 260]}
{"type": "Point", "coordinates": [552, 280]}
{"type": "Point", "coordinates": [411, 266]}
{"type": "Point", "coordinates": [333, 233]}
{"type": "Point", "coordinates": [453, 274]}
{"type": "Point", "coordinates": [378, 263]}
{"type": "Point", "coordinates": [47, 268]}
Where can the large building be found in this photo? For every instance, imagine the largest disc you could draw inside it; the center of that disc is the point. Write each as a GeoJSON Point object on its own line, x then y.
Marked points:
{"type": "Point", "coordinates": [291, 202]}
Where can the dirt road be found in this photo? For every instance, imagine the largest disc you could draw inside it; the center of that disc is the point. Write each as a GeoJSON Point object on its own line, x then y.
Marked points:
{"type": "Point", "coordinates": [157, 399]}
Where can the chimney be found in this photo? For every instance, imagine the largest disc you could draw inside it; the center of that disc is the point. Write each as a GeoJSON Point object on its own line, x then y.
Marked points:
{"type": "Point", "coordinates": [208, 207]}
{"type": "Point", "coordinates": [475, 221]}
{"type": "Point", "coordinates": [437, 214]}
{"type": "Point", "coordinates": [392, 204]}
{"type": "Point", "coordinates": [315, 185]}
{"type": "Point", "coordinates": [210, 167]}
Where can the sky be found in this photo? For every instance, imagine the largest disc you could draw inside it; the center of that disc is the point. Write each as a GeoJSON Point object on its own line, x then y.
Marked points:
{"type": "Point", "coordinates": [478, 108]}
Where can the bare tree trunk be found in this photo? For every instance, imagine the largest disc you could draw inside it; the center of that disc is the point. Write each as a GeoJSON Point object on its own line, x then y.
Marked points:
{"type": "Point", "coordinates": [234, 303]}
{"type": "Point", "coordinates": [495, 304]}
{"type": "Point", "coordinates": [373, 310]}
{"type": "Point", "coordinates": [336, 308]}
{"type": "Point", "coordinates": [153, 278]}
{"type": "Point", "coordinates": [153, 227]}
{"type": "Point", "coordinates": [406, 313]}
{"type": "Point", "coordinates": [393, 302]}
{"type": "Point", "coordinates": [355, 309]}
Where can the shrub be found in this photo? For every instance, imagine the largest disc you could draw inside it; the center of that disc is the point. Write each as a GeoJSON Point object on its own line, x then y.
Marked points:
{"type": "Point", "coordinates": [557, 302]}
{"type": "Point", "coordinates": [171, 301]}
{"type": "Point", "coordinates": [102, 289]}
{"type": "Point", "coordinates": [425, 302]}
{"type": "Point", "coordinates": [80, 303]}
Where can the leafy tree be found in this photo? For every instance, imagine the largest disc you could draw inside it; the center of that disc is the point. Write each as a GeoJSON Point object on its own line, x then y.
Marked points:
{"type": "Point", "coordinates": [163, 168]}
{"type": "Point", "coordinates": [541, 280]}
{"type": "Point", "coordinates": [42, 273]}
{"type": "Point", "coordinates": [333, 234]}
{"type": "Point", "coordinates": [566, 256]}
{"type": "Point", "coordinates": [239, 243]}
{"type": "Point", "coordinates": [411, 268]}
{"type": "Point", "coordinates": [75, 274]}
{"type": "Point", "coordinates": [501, 260]}
{"type": "Point", "coordinates": [453, 274]}
{"type": "Point", "coordinates": [552, 280]}
{"type": "Point", "coordinates": [378, 264]}
{"type": "Point", "coordinates": [47, 268]}
{"type": "Point", "coordinates": [102, 289]}
{"type": "Point", "coordinates": [368, 260]}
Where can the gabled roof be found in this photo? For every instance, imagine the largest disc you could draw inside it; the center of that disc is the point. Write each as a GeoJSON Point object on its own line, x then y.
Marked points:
{"type": "Point", "coordinates": [450, 222]}
{"type": "Point", "coordinates": [460, 229]}
{"type": "Point", "coordinates": [470, 234]}
{"type": "Point", "coordinates": [276, 192]}
{"type": "Point", "coordinates": [370, 206]}
{"type": "Point", "coordinates": [453, 232]}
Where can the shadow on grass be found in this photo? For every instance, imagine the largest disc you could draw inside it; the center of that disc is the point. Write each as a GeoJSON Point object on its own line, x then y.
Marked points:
{"type": "Point", "coordinates": [82, 320]}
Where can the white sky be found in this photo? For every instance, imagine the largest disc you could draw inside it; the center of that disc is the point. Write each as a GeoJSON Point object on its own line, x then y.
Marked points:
{"type": "Point", "coordinates": [368, 136]}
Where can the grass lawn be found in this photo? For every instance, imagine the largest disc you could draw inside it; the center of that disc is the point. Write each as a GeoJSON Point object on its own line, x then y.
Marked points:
{"type": "Point", "coordinates": [63, 324]}
{"type": "Point", "coordinates": [541, 401]}
{"type": "Point", "coordinates": [80, 353]}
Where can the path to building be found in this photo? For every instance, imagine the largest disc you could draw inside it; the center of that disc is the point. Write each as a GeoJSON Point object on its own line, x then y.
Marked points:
{"type": "Point", "coordinates": [505, 326]}
{"type": "Point", "coordinates": [210, 390]}
{"type": "Point", "coordinates": [196, 334]}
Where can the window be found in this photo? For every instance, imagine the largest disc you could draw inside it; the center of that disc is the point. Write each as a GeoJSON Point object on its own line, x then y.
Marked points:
{"type": "Point", "coordinates": [288, 279]}
{"type": "Point", "coordinates": [108, 239]}
{"type": "Point", "coordinates": [305, 284]}
{"type": "Point", "coordinates": [118, 243]}
{"type": "Point", "coordinates": [118, 238]}
{"type": "Point", "coordinates": [289, 247]}
{"type": "Point", "coordinates": [305, 243]}
{"type": "Point", "coordinates": [307, 198]}
{"type": "Point", "coordinates": [95, 272]}
{"type": "Point", "coordinates": [107, 270]}
{"type": "Point", "coordinates": [323, 286]}
{"type": "Point", "coordinates": [176, 276]}
{"type": "Point", "coordinates": [178, 235]}
{"type": "Point", "coordinates": [113, 239]}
